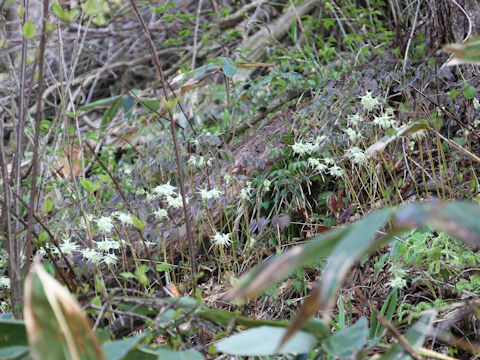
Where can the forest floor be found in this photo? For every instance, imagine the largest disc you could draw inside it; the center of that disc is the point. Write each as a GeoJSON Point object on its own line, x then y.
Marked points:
{"type": "Point", "coordinates": [269, 126]}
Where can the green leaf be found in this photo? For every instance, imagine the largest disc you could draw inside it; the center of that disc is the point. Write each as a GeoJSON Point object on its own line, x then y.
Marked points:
{"type": "Point", "coordinates": [28, 30]}
{"type": "Point", "coordinates": [179, 355]}
{"type": "Point", "coordinates": [48, 205]}
{"type": "Point", "coordinates": [264, 340]}
{"type": "Point", "coordinates": [89, 186]}
{"type": "Point", "coordinates": [56, 325]}
{"type": "Point", "coordinates": [13, 352]}
{"type": "Point", "coordinates": [111, 111]}
{"type": "Point", "coordinates": [346, 342]}
{"type": "Point", "coordinates": [64, 14]}
{"type": "Point", "coordinates": [229, 68]}
{"type": "Point", "coordinates": [12, 332]}
{"type": "Point", "coordinates": [139, 224]}
{"type": "Point", "coordinates": [357, 241]}
{"type": "Point", "coordinates": [141, 276]}
{"type": "Point", "coordinates": [105, 178]}
{"type": "Point", "coordinates": [415, 337]}
{"type": "Point", "coordinates": [89, 7]}
{"type": "Point", "coordinates": [127, 275]}
{"type": "Point", "coordinates": [116, 350]}
{"type": "Point", "coordinates": [469, 92]}
{"type": "Point", "coordinates": [100, 103]}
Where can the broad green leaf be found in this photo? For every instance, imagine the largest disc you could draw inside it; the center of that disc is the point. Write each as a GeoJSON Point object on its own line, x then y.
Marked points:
{"type": "Point", "coordinates": [469, 92]}
{"type": "Point", "coordinates": [111, 111]}
{"type": "Point", "coordinates": [13, 352]}
{"type": "Point", "coordinates": [116, 350]}
{"type": "Point", "coordinates": [229, 68]}
{"type": "Point", "coordinates": [56, 325]}
{"type": "Point", "coordinates": [264, 341]}
{"type": "Point", "coordinates": [12, 332]}
{"type": "Point", "coordinates": [90, 7]}
{"type": "Point", "coordinates": [179, 355]}
{"type": "Point", "coordinates": [64, 14]}
{"type": "Point", "coordinates": [357, 241]}
{"type": "Point", "coordinates": [458, 219]}
{"type": "Point", "coordinates": [89, 186]}
{"type": "Point", "coordinates": [346, 342]}
{"type": "Point", "coordinates": [28, 30]}
{"type": "Point", "coordinates": [415, 337]}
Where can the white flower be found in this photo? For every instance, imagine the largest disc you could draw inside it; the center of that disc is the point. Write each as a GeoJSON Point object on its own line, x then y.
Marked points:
{"type": "Point", "coordinates": [210, 162]}
{"type": "Point", "coordinates": [124, 218]}
{"type": "Point", "coordinates": [266, 184]}
{"type": "Point", "coordinates": [336, 171]}
{"type": "Point", "coordinates": [209, 194]}
{"type": "Point", "coordinates": [329, 161]}
{"type": "Point", "coordinates": [4, 282]}
{"type": "Point", "coordinates": [353, 135]}
{"type": "Point", "coordinates": [92, 256]}
{"type": "Point", "coordinates": [316, 164]}
{"type": "Point", "coordinates": [369, 102]}
{"type": "Point", "coordinates": [397, 282]}
{"type": "Point", "coordinates": [356, 155]}
{"type": "Point", "coordinates": [175, 202]}
{"type": "Point", "coordinates": [105, 224]}
{"type": "Point", "coordinates": [301, 148]}
{"type": "Point", "coordinates": [252, 242]}
{"type": "Point", "coordinates": [245, 192]}
{"type": "Point", "coordinates": [165, 189]}
{"type": "Point", "coordinates": [476, 122]}
{"type": "Point", "coordinates": [68, 247]}
{"type": "Point", "coordinates": [228, 179]}
{"type": "Point", "coordinates": [385, 121]}
{"type": "Point", "coordinates": [411, 145]}
{"type": "Point", "coordinates": [476, 103]}
{"type": "Point", "coordinates": [149, 243]}
{"type": "Point", "coordinates": [160, 213]}
{"type": "Point", "coordinates": [354, 120]}
{"type": "Point", "coordinates": [110, 259]}
{"type": "Point", "coordinates": [107, 245]}
{"type": "Point", "coordinates": [221, 240]}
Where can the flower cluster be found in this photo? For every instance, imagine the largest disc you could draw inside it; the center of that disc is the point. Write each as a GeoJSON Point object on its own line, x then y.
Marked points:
{"type": "Point", "coordinates": [307, 148]}
{"type": "Point", "coordinates": [355, 120]}
{"type": "Point", "coordinates": [124, 218]}
{"type": "Point", "coordinates": [4, 282]}
{"type": "Point", "coordinates": [104, 224]}
{"type": "Point", "coordinates": [353, 135]}
{"type": "Point", "coordinates": [385, 121]}
{"type": "Point", "coordinates": [246, 191]}
{"type": "Point", "coordinates": [221, 240]}
{"type": "Point", "coordinates": [213, 193]}
{"type": "Point", "coordinates": [266, 184]}
{"type": "Point", "coordinates": [369, 103]}
{"type": "Point", "coordinates": [357, 155]}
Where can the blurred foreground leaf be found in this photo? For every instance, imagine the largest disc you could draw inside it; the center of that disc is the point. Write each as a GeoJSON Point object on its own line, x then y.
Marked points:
{"type": "Point", "coordinates": [56, 325]}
